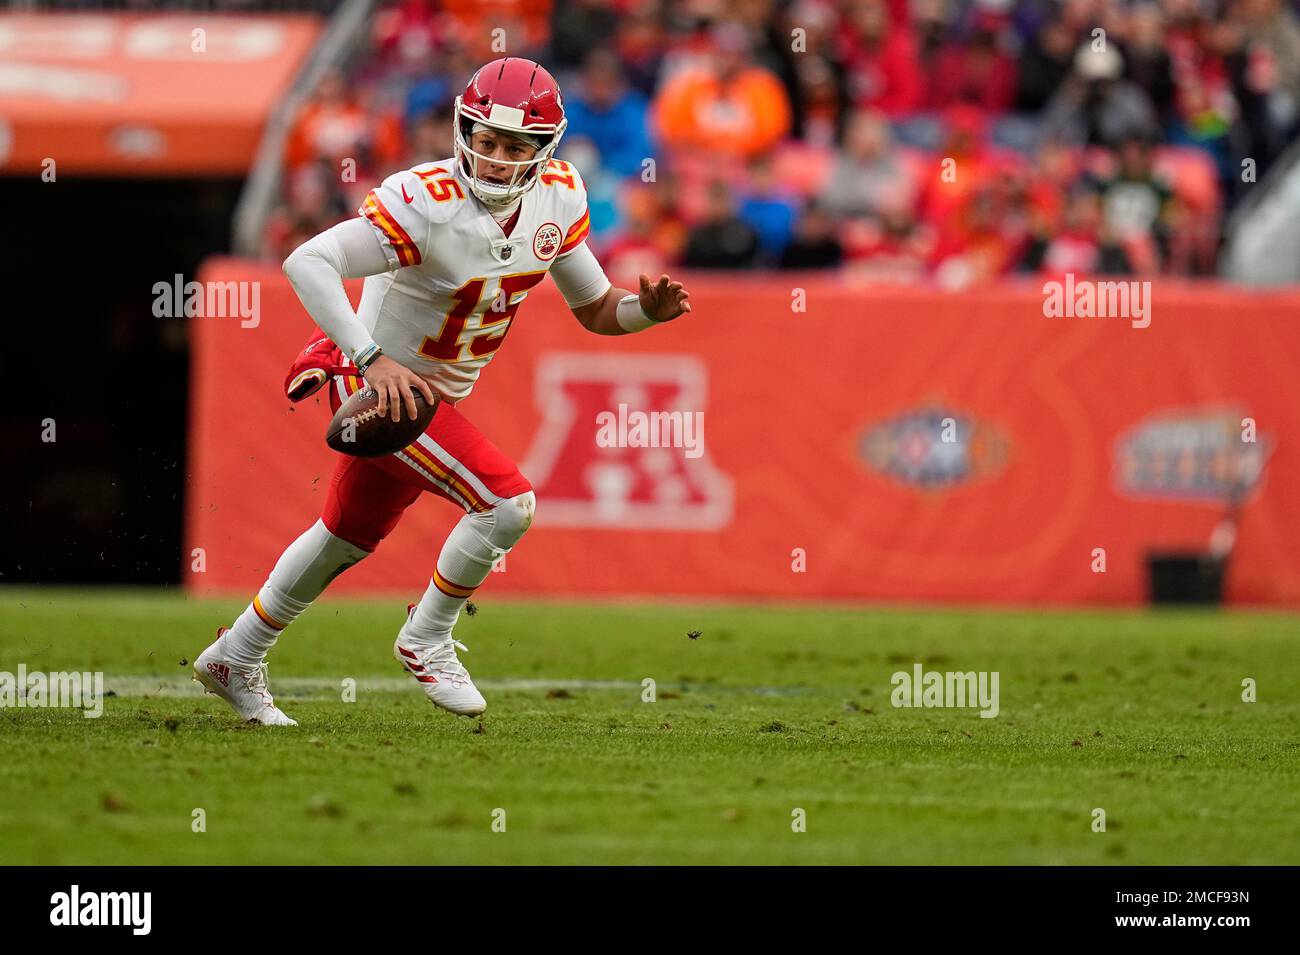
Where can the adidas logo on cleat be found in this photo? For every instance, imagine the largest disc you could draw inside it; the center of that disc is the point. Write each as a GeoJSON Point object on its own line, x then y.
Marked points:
{"type": "Point", "coordinates": [221, 672]}
{"type": "Point", "coordinates": [415, 669]}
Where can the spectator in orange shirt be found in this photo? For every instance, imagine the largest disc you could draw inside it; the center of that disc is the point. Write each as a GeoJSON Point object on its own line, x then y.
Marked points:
{"type": "Point", "coordinates": [330, 126]}
{"type": "Point", "coordinates": [526, 24]}
{"type": "Point", "coordinates": [963, 165]}
{"type": "Point", "coordinates": [727, 106]}
{"type": "Point", "coordinates": [339, 123]}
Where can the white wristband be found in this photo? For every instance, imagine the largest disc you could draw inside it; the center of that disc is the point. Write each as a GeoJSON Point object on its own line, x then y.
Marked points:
{"type": "Point", "coordinates": [630, 316]}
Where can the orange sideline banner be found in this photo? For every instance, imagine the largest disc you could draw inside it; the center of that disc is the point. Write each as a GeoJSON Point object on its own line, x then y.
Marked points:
{"type": "Point", "coordinates": [173, 94]}
{"type": "Point", "coordinates": [886, 444]}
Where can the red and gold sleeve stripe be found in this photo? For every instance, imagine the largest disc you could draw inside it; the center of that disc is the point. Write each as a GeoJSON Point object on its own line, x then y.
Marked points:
{"type": "Point", "coordinates": [577, 232]}
{"type": "Point", "coordinates": [408, 253]}
{"type": "Point", "coordinates": [450, 588]}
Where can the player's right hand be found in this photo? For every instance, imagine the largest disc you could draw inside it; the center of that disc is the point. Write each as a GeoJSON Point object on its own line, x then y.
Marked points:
{"type": "Point", "coordinates": [393, 381]}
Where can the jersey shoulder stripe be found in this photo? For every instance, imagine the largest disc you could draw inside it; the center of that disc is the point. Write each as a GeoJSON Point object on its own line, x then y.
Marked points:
{"type": "Point", "coordinates": [576, 233]}
{"type": "Point", "coordinates": [405, 206]}
{"type": "Point", "coordinates": [408, 252]}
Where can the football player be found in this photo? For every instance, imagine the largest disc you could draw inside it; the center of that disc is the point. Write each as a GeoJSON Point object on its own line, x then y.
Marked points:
{"type": "Point", "coordinates": [449, 251]}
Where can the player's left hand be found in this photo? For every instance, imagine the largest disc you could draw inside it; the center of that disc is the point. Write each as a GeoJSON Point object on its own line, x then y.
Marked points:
{"type": "Point", "coordinates": [665, 300]}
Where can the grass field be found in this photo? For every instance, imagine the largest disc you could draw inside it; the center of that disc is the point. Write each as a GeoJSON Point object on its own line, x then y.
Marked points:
{"type": "Point", "coordinates": [769, 710]}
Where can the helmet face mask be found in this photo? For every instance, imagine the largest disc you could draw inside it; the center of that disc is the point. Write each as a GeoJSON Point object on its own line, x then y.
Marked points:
{"type": "Point", "coordinates": [511, 97]}
{"type": "Point", "coordinates": [522, 174]}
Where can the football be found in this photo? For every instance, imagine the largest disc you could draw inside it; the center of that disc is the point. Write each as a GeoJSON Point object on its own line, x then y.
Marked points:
{"type": "Point", "coordinates": [358, 428]}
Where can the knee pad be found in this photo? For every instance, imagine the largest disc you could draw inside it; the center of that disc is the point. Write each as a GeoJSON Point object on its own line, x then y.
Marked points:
{"type": "Point", "coordinates": [503, 525]}
{"type": "Point", "coordinates": [515, 514]}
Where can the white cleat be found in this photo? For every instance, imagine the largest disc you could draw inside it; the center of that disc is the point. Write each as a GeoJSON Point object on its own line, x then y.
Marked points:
{"type": "Point", "coordinates": [243, 688]}
{"type": "Point", "coordinates": [441, 675]}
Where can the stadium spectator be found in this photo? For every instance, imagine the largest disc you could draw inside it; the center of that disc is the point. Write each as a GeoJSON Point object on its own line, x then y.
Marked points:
{"type": "Point", "coordinates": [961, 165]}
{"type": "Point", "coordinates": [1137, 204]}
{"type": "Point", "coordinates": [1096, 105]}
{"type": "Point", "coordinates": [770, 209]}
{"type": "Point", "coordinates": [1273, 31]}
{"type": "Point", "coordinates": [932, 23]}
{"type": "Point", "coordinates": [725, 106]}
{"type": "Point", "coordinates": [602, 184]}
{"type": "Point", "coordinates": [437, 83]}
{"type": "Point", "coordinates": [769, 40]}
{"type": "Point", "coordinates": [891, 247]}
{"type": "Point", "coordinates": [640, 43]}
{"type": "Point", "coordinates": [981, 241]}
{"type": "Point", "coordinates": [881, 59]}
{"type": "Point", "coordinates": [815, 244]}
{"type": "Point", "coordinates": [652, 233]}
{"type": "Point", "coordinates": [331, 126]}
{"type": "Point", "coordinates": [311, 205]}
{"type": "Point", "coordinates": [920, 94]}
{"type": "Point", "coordinates": [1054, 171]}
{"type": "Point", "coordinates": [814, 80]}
{"type": "Point", "coordinates": [430, 138]}
{"type": "Point", "coordinates": [1146, 61]}
{"type": "Point", "coordinates": [523, 25]}
{"type": "Point", "coordinates": [407, 36]}
{"type": "Point", "coordinates": [1044, 65]}
{"type": "Point", "coordinates": [722, 240]}
{"type": "Point", "coordinates": [1203, 50]}
{"type": "Point", "coordinates": [1266, 73]}
{"type": "Point", "coordinates": [868, 171]}
{"type": "Point", "coordinates": [1081, 244]}
{"type": "Point", "coordinates": [577, 28]}
{"type": "Point", "coordinates": [612, 116]}
{"type": "Point", "coordinates": [978, 69]}
{"type": "Point", "coordinates": [822, 100]}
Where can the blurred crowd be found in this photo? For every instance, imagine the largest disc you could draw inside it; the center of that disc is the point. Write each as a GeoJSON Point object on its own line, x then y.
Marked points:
{"type": "Point", "coordinates": [938, 140]}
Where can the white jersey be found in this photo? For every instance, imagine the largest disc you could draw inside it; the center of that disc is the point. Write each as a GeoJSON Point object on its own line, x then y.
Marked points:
{"type": "Point", "coordinates": [459, 280]}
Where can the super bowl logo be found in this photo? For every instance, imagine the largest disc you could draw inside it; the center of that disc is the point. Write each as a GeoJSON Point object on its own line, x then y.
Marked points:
{"type": "Point", "coordinates": [1208, 455]}
{"type": "Point", "coordinates": [934, 448]}
{"type": "Point", "coordinates": [589, 481]}
{"type": "Point", "coordinates": [546, 241]}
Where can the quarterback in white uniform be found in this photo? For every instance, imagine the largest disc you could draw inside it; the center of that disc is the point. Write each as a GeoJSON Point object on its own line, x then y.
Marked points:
{"type": "Point", "coordinates": [450, 250]}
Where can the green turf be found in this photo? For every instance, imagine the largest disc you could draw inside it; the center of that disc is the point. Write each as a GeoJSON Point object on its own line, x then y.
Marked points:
{"type": "Point", "coordinates": [767, 711]}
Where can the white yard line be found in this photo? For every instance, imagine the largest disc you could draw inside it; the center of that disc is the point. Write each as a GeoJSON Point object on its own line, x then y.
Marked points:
{"type": "Point", "coordinates": [309, 687]}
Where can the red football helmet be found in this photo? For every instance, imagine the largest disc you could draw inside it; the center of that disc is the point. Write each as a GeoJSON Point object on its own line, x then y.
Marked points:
{"type": "Point", "coordinates": [518, 97]}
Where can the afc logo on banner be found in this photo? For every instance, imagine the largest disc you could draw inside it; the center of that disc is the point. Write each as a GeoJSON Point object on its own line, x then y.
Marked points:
{"type": "Point", "coordinates": [644, 480]}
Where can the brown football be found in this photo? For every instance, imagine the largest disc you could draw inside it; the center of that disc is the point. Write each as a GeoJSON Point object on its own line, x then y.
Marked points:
{"type": "Point", "coordinates": [358, 429]}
